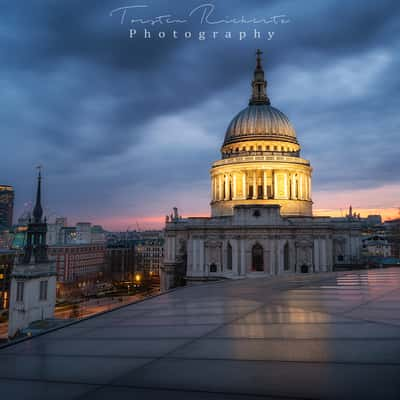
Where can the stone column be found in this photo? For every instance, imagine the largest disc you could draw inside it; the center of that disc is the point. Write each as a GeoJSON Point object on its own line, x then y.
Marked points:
{"type": "Point", "coordinates": [234, 187]}
{"type": "Point", "coordinates": [281, 243]}
{"type": "Point", "coordinates": [316, 255]}
{"type": "Point", "coordinates": [309, 187]}
{"type": "Point", "coordinates": [255, 184]}
{"type": "Point", "coordinates": [226, 187]}
{"type": "Point", "coordinates": [220, 187]}
{"type": "Point", "coordinates": [166, 255]}
{"type": "Point", "coordinates": [275, 252]}
{"type": "Point", "coordinates": [173, 247]}
{"type": "Point", "coordinates": [301, 191]}
{"type": "Point", "coordinates": [271, 244]}
{"type": "Point", "coordinates": [201, 248]}
{"type": "Point", "coordinates": [235, 257]}
{"type": "Point", "coordinates": [329, 251]}
{"type": "Point", "coordinates": [305, 187]}
{"type": "Point", "coordinates": [324, 262]}
{"type": "Point", "coordinates": [189, 258]}
{"type": "Point", "coordinates": [265, 185]}
{"type": "Point", "coordinates": [224, 257]}
{"type": "Point", "coordinates": [226, 182]}
{"type": "Point", "coordinates": [243, 269]}
{"type": "Point", "coordinates": [244, 184]}
{"type": "Point", "coordinates": [294, 192]}
{"type": "Point", "coordinates": [349, 247]}
{"type": "Point", "coordinates": [286, 185]}
{"type": "Point", "coordinates": [194, 257]}
{"type": "Point", "coordinates": [275, 185]}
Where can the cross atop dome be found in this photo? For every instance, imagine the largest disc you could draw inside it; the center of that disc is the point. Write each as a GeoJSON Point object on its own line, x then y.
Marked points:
{"type": "Point", "coordinates": [259, 84]}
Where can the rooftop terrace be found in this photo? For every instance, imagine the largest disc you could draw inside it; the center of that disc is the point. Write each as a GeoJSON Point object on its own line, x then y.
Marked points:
{"type": "Point", "coordinates": [330, 336]}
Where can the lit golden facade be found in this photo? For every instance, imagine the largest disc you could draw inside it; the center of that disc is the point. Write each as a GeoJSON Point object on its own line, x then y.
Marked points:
{"type": "Point", "coordinates": [261, 161]}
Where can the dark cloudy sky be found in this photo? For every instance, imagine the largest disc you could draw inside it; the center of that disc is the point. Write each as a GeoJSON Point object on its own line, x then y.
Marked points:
{"type": "Point", "coordinates": [127, 128]}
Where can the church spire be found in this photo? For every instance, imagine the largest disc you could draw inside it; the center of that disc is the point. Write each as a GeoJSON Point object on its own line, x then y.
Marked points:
{"type": "Point", "coordinates": [38, 210]}
{"type": "Point", "coordinates": [259, 84]}
{"type": "Point", "coordinates": [35, 251]}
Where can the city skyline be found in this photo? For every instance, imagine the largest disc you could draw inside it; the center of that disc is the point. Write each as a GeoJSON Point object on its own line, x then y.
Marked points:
{"type": "Point", "coordinates": [77, 101]}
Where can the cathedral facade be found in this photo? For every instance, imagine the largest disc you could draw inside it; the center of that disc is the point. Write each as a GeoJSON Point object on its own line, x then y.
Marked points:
{"type": "Point", "coordinates": [261, 208]}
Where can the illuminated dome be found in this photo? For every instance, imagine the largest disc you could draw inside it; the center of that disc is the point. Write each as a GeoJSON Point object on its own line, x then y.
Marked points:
{"type": "Point", "coordinates": [260, 160]}
{"type": "Point", "coordinates": [260, 122]}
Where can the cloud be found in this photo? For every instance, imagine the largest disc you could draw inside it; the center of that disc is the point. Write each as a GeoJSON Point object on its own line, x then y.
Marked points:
{"type": "Point", "coordinates": [134, 125]}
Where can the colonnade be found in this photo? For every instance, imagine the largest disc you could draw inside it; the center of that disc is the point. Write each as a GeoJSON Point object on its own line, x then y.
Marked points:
{"type": "Point", "coordinates": [261, 184]}
{"type": "Point", "coordinates": [274, 253]}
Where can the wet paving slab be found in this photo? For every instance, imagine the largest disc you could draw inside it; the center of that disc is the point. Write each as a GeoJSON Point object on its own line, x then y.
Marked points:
{"type": "Point", "coordinates": [330, 335]}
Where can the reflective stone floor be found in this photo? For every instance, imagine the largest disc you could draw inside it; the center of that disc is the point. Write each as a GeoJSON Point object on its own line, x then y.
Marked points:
{"type": "Point", "coordinates": [329, 336]}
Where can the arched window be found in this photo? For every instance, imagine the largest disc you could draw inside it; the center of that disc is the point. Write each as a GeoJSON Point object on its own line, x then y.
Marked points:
{"type": "Point", "coordinates": [257, 257]}
{"type": "Point", "coordinates": [229, 256]}
{"type": "Point", "coordinates": [286, 260]}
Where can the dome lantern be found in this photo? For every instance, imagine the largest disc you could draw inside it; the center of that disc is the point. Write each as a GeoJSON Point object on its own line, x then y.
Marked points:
{"type": "Point", "coordinates": [259, 84]}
